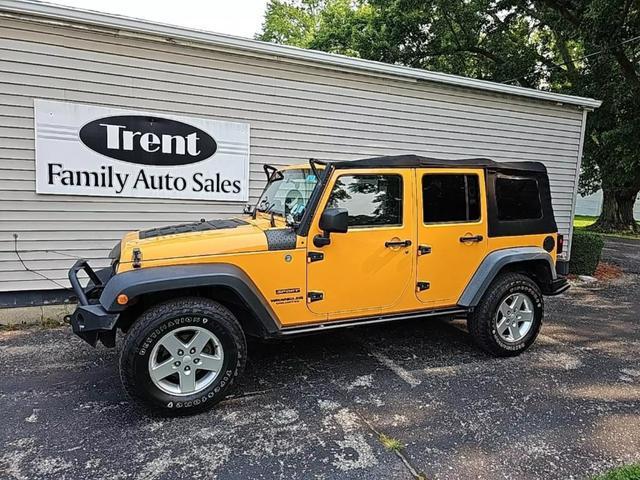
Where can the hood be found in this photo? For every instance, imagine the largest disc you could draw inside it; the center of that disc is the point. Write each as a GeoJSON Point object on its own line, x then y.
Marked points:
{"type": "Point", "coordinates": [201, 226]}
{"type": "Point", "coordinates": [190, 241]}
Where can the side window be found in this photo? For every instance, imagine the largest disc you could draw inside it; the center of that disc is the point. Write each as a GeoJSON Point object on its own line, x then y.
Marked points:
{"type": "Point", "coordinates": [450, 198]}
{"type": "Point", "coordinates": [371, 200]}
{"type": "Point", "coordinates": [518, 198]}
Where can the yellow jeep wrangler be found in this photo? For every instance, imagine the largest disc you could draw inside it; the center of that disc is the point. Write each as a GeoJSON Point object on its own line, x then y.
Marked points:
{"type": "Point", "coordinates": [328, 245]}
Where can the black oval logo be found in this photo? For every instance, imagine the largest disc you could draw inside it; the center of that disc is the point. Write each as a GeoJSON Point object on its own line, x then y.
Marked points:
{"type": "Point", "coordinates": [148, 140]}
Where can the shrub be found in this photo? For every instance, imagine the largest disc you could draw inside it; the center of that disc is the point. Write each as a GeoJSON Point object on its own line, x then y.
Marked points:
{"type": "Point", "coordinates": [586, 248]}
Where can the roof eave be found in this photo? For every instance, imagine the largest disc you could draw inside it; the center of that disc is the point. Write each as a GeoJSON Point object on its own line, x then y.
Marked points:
{"type": "Point", "coordinates": [64, 13]}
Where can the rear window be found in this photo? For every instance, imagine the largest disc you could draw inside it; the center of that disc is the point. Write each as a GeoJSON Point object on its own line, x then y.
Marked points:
{"type": "Point", "coordinates": [518, 198]}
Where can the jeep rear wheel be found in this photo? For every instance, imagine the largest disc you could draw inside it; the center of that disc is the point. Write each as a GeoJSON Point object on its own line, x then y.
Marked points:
{"type": "Point", "coordinates": [183, 356]}
{"type": "Point", "coordinates": [509, 316]}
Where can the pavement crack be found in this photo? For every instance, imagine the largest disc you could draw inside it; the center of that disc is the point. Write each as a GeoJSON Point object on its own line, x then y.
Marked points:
{"type": "Point", "coordinates": [399, 452]}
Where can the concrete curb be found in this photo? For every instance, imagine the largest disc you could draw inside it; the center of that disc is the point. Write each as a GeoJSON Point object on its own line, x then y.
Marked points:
{"type": "Point", "coordinates": [42, 315]}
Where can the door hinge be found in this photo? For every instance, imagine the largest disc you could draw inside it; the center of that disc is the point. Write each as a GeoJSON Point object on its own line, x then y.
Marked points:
{"type": "Point", "coordinates": [314, 296]}
{"type": "Point", "coordinates": [420, 286]}
{"type": "Point", "coordinates": [314, 257]}
{"type": "Point", "coordinates": [424, 249]}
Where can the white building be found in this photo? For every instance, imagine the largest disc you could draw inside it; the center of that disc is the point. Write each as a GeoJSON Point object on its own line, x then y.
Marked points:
{"type": "Point", "coordinates": [592, 205]}
{"type": "Point", "coordinates": [294, 104]}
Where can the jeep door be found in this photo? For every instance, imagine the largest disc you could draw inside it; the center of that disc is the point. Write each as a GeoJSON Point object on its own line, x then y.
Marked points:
{"type": "Point", "coordinates": [452, 232]}
{"type": "Point", "coordinates": [369, 267]}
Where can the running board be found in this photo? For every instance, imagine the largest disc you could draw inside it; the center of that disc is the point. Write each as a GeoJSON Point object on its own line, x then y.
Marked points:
{"type": "Point", "coordinates": [369, 321]}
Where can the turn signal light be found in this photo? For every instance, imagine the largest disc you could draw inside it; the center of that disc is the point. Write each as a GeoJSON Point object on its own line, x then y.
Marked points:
{"type": "Point", "coordinates": [122, 299]}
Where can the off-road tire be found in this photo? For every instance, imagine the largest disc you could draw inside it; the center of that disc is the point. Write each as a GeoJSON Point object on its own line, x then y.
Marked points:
{"type": "Point", "coordinates": [481, 322]}
{"type": "Point", "coordinates": [156, 322]}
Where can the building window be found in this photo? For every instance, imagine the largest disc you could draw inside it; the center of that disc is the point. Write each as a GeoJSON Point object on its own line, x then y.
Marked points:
{"type": "Point", "coordinates": [371, 200]}
{"type": "Point", "coordinates": [518, 198]}
{"type": "Point", "coordinates": [450, 198]}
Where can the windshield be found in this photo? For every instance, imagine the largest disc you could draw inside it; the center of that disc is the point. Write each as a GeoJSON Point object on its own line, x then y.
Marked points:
{"type": "Point", "coordinates": [287, 193]}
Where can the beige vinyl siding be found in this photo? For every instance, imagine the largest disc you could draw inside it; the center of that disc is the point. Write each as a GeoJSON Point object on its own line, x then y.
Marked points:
{"type": "Point", "coordinates": [297, 110]}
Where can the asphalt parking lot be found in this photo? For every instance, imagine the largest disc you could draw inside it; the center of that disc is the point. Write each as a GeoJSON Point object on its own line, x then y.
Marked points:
{"type": "Point", "coordinates": [316, 406]}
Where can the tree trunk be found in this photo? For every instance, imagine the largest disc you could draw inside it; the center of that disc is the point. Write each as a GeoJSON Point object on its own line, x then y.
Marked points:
{"type": "Point", "coordinates": [617, 212]}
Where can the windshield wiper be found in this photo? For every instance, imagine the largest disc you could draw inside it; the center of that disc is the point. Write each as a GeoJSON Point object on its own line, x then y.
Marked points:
{"type": "Point", "coordinates": [268, 209]}
{"type": "Point", "coordinates": [263, 210]}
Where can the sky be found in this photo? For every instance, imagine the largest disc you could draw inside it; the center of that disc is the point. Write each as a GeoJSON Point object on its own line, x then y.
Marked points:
{"type": "Point", "coordinates": [234, 17]}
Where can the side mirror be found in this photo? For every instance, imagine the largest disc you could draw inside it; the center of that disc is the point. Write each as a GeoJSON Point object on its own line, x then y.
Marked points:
{"type": "Point", "coordinates": [333, 220]}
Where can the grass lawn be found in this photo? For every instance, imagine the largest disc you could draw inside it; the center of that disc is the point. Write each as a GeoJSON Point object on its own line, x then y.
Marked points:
{"type": "Point", "coordinates": [582, 221]}
{"type": "Point", "coordinates": [630, 472]}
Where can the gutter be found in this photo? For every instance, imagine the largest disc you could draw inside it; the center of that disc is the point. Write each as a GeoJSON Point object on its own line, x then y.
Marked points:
{"type": "Point", "coordinates": [141, 26]}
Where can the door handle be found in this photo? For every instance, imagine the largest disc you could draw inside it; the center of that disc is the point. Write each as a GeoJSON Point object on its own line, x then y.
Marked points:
{"type": "Point", "coordinates": [398, 243]}
{"type": "Point", "coordinates": [471, 239]}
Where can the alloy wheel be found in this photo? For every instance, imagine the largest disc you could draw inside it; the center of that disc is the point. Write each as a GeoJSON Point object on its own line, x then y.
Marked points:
{"type": "Point", "coordinates": [186, 361]}
{"type": "Point", "coordinates": [514, 317]}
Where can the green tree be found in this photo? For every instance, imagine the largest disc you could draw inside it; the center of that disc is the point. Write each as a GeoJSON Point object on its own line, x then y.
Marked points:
{"type": "Point", "coordinates": [470, 38]}
{"type": "Point", "coordinates": [291, 23]}
{"type": "Point", "coordinates": [609, 31]}
{"type": "Point", "coordinates": [582, 47]}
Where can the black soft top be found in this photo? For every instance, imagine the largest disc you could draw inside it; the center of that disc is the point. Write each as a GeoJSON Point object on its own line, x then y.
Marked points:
{"type": "Point", "coordinates": [417, 161]}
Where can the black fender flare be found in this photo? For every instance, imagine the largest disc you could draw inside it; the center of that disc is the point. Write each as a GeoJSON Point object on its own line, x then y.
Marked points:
{"type": "Point", "coordinates": [491, 266]}
{"type": "Point", "coordinates": [134, 283]}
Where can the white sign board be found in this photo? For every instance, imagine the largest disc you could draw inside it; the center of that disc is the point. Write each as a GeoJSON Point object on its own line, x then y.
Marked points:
{"type": "Point", "coordinates": [88, 150]}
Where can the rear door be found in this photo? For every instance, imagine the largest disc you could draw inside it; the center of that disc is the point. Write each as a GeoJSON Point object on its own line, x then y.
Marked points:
{"type": "Point", "coordinates": [452, 232]}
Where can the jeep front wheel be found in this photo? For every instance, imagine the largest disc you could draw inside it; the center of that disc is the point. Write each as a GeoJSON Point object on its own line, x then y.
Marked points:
{"type": "Point", "coordinates": [182, 356]}
{"type": "Point", "coordinates": [509, 316]}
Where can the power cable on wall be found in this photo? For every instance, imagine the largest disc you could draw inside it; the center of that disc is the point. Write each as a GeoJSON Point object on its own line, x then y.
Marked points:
{"type": "Point", "coordinates": [40, 274]}
{"type": "Point", "coordinates": [63, 254]}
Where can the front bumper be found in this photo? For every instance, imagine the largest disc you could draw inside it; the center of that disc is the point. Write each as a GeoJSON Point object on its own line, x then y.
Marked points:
{"type": "Point", "coordinates": [90, 321]}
